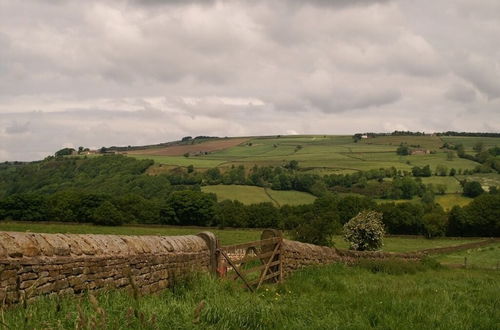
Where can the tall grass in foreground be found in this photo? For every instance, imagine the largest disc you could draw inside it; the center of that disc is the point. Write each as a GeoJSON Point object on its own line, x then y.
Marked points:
{"type": "Point", "coordinates": [386, 295]}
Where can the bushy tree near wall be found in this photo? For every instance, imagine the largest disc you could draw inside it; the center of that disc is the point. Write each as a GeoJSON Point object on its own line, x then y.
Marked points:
{"type": "Point", "coordinates": [365, 232]}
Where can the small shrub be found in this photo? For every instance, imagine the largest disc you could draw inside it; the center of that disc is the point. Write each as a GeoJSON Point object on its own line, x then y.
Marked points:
{"type": "Point", "coordinates": [365, 232]}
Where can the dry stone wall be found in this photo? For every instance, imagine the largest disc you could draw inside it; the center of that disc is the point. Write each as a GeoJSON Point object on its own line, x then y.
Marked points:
{"type": "Point", "coordinates": [36, 264]}
{"type": "Point", "coordinates": [32, 265]}
{"type": "Point", "coordinates": [298, 255]}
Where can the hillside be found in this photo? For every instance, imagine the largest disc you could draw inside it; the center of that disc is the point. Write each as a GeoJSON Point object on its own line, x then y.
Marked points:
{"type": "Point", "coordinates": [322, 153]}
{"type": "Point", "coordinates": [280, 181]}
{"type": "Point", "coordinates": [327, 154]}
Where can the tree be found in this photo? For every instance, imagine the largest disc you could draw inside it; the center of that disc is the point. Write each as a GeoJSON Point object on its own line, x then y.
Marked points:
{"type": "Point", "coordinates": [478, 146]}
{"type": "Point", "coordinates": [64, 152]}
{"type": "Point", "coordinates": [263, 215]}
{"type": "Point", "coordinates": [402, 218]}
{"type": "Point", "coordinates": [231, 214]}
{"type": "Point", "coordinates": [365, 232]}
{"type": "Point", "coordinates": [292, 165]}
{"type": "Point", "coordinates": [441, 170]}
{"type": "Point", "coordinates": [192, 208]}
{"type": "Point", "coordinates": [108, 215]}
{"type": "Point", "coordinates": [472, 189]}
{"type": "Point", "coordinates": [479, 218]}
{"type": "Point", "coordinates": [435, 223]}
{"type": "Point", "coordinates": [318, 229]}
{"type": "Point", "coordinates": [426, 171]}
{"type": "Point", "coordinates": [453, 172]}
{"type": "Point", "coordinates": [403, 150]}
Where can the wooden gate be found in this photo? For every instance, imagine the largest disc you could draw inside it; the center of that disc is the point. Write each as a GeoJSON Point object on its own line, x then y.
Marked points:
{"type": "Point", "coordinates": [254, 262]}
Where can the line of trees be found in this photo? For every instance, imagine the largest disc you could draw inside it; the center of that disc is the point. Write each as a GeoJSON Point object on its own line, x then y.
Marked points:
{"type": "Point", "coordinates": [115, 190]}
{"type": "Point", "coordinates": [311, 222]}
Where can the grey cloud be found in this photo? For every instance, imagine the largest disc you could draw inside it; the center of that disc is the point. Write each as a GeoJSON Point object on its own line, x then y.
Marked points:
{"type": "Point", "coordinates": [326, 3]}
{"type": "Point", "coordinates": [16, 128]}
{"type": "Point", "coordinates": [352, 100]}
{"type": "Point", "coordinates": [461, 93]}
{"type": "Point", "coordinates": [485, 75]}
{"type": "Point", "coordinates": [120, 72]}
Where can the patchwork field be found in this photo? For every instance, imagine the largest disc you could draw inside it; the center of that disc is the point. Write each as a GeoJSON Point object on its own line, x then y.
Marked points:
{"type": "Point", "coordinates": [253, 195]}
{"type": "Point", "coordinates": [469, 142]}
{"type": "Point", "coordinates": [326, 153]}
{"type": "Point", "coordinates": [179, 150]}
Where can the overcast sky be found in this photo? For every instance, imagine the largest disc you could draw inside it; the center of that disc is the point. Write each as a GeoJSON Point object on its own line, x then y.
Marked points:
{"type": "Point", "coordinates": [102, 73]}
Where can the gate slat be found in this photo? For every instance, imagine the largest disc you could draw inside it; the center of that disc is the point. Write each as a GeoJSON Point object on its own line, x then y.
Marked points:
{"type": "Point", "coordinates": [268, 241]}
{"type": "Point", "coordinates": [255, 257]}
{"type": "Point", "coordinates": [265, 278]}
{"type": "Point", "coordinates": [254, 269]}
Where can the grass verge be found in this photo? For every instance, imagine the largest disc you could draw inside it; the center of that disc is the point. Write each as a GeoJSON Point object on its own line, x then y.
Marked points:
{"type": "Point", "coordinates": [328, 297]}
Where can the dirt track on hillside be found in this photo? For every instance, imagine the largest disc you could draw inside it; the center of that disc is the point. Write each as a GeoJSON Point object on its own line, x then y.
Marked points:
{"type": "Point", "coordinates": [180, 150]}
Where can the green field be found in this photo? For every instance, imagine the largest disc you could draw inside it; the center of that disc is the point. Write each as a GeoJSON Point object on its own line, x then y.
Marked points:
{"type": "Point", "coordinates": [226, 236]}
{"type": "Point", "coordinates": [449, 200]}
{"type": "Point", "coordinates": [388, 296]}
{"type": "Point", "coordinates": [199, 162]}
{"type": "Point", "coordinates": [327, 154]}
{"type": "Point", "coordinates": [485, 179]}
{"type": "Point", "coordinates": [481, 257]}
{"type": "Point", "coordinates": [469, 142]}
{"type": "Point", "coordinates": [452, 185]}
{"type": "Point", "coordinates": [253, 195]}
{"type": "Point", "coordinates": [334, 153]}
{"type": "Point", "coordinates": [411, 244]}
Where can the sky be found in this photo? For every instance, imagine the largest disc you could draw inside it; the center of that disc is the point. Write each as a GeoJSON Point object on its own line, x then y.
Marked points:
{"type": "Point", "coordinates": [134, 72]}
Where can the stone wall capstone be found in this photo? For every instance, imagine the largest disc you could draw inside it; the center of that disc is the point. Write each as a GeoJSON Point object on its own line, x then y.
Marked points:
{"type": "Point", "coordinates": [37, 264]}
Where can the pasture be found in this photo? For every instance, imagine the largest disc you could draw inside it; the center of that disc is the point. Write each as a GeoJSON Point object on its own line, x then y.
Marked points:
{"type": "Point", "coordinates": [253, 195]}
{"type": "Point", "coordinates": [226, 236]}
{"type": "Point", "coordinates": [412, 243]}
{"type": "Point", "coordinates": [385, 295]}
{"type": "Point", "coordinates": [469, 141]}
{"type": "Point", "coordinates": [485, 179]}
{"type": "Point", "coordinates": [447, 201]}
{"type": "Point", "coordinates": [452, 184]}
{"type": "Point", "coordinates": [327, 153]}
{"type": "Point", "coordinates": [481, 257]}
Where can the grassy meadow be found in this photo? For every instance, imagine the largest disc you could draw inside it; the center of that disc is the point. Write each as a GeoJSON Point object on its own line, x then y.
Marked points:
{"type": "Point", "coordinates": [226, 236]}
{"type": "Point", "coordinates": [447, 201]}
{"type": "Point", "coordinates": [253, 195]}
{"type": "Point", "coordinates": [412, 243]}
{"type": "Point", "coordinates": [481, 257]}
{"type": "Point", "coordinates": [386, 295]}
{"type": "Point", "coordinates": [331, 152]}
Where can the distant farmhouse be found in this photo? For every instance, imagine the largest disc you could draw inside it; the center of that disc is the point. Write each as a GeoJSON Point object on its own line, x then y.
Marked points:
{"type": "Point", "coordinates": [420, 152]}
